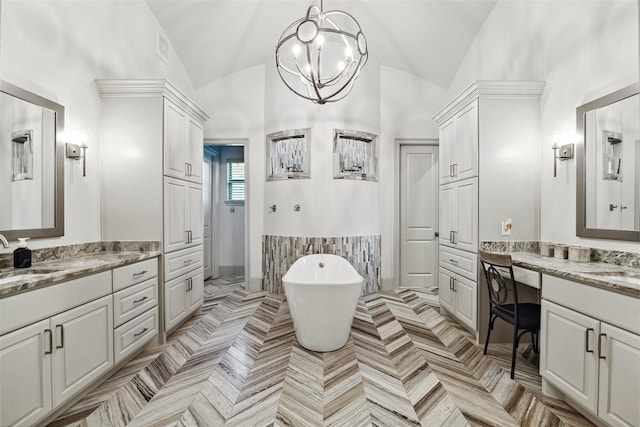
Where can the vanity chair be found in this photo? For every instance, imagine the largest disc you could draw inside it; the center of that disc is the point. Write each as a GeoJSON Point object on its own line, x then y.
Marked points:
{"type": "Point", "coordinates": [503, 302]}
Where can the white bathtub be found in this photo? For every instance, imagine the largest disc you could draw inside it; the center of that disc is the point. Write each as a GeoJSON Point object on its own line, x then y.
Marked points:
{"type": "Point", "coordinates": [323, 292]}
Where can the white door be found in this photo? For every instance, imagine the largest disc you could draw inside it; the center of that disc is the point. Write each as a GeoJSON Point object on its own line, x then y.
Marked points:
{"type": "Point", "coordinates": [194, 207]}
{"type": "Point", "coordinates": [447, 139]}
{"type": "Point", "coordinates": [446, 294]}
{"type": "Point", "coordinates": [465, 150]}
{"type": "Point", "coordinates": [466, 215]}
{"type": "Point", "coordinates": [25, 369]}
{"type": "Point", "coordinates": [465, 295]}
{"type": "Point", "coordinates": [195, 295]}
{"type": "Point", "coordinates": [175, 301]}
{"type": "Point", "coordinates": [418, 215]}
{"type": "Point", "coordinates": [207, 235]}
{"type": "Point", "coordinates": [568, 353]}
{"type": "Point", "coordinates": [175, 221]}
{"type": "Point", "coordinates": [83, 347]}
{"type": "Point", "coordinates": [448, 198]}
{"type": "Point", "coordinates": [619, 376]}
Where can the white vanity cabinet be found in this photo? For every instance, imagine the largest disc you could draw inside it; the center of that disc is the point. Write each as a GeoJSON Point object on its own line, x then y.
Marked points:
{"type": "Point", "coordinates": [488, 168]}
{"type": "Point", "coordinates": [183, 151]}
{"type": "Point", "coordinates": [184, 286]}
{"type": "Point", "coordinates": [590, 348]}
{"type": "Point", "coordinates": [63, 343]}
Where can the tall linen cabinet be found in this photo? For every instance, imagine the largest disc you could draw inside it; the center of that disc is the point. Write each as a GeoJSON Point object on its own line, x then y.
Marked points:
{"type": "Point", "coordinates": [489, 173]}
{"type": "Point", "coordinates": [151, 152]}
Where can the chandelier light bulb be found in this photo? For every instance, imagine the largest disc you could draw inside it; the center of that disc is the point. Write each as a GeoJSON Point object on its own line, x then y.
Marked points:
{"type": "Point", "coordinates": [329, 50]}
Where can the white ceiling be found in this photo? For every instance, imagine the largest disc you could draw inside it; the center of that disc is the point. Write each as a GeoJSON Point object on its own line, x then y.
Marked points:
{"type": "Point", "coordinates": [427, 38]}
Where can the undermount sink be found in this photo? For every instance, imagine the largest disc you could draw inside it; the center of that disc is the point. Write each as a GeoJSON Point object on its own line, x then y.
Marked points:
{"type": "Point", "coordinates": [618, 276]}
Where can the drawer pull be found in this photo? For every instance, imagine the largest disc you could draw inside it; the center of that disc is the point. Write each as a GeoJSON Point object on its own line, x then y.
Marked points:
{"type": "Point", "coordinates": [188, 261]}
{"type": "Point", "coordinates": [138, 301]}
{"type": "Point", "coordinates": [61, 336]}
{"type": "Point", "coordinates": [600, 356]}
{"type": "Point", "coordinates": [139, 274]}
{"type": "Point", "coordinates": [50, 341]}
{"type": "Point", "coordinates": [140, 333]}
{"type": "Point", "coordinates": [586, 340]}
{"type": "Point", "coordinates": [453, 261]}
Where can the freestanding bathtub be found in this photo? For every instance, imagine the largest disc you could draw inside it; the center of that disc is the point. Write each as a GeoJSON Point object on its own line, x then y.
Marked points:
{"type": "Point", "coordinates": [322, 291]}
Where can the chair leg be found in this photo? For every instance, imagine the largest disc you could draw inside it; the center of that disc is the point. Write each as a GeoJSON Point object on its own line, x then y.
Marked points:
{"type": "Point", "coordinates": [513, 352]}
{"type": "Point", "coordinates": [486, 342]}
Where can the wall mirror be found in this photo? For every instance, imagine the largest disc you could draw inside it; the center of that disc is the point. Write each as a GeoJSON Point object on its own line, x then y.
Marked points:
{"type": "Point", "coordinates": [608, 166]}
{"type": "Point", "coordinates": [31, 165]}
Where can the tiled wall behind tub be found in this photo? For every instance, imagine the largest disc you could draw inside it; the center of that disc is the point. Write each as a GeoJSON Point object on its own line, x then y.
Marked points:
{"type": "Point", "coordinates": [280, 252]}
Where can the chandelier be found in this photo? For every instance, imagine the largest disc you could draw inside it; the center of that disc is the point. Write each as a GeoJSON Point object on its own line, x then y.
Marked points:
{"type": "Point", "coordinates": [320, 55]}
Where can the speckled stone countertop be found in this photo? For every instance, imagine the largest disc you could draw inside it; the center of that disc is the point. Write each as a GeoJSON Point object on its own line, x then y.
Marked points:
{"type": "Point", "coordinates": [609, 270]}
{"type": "Point", "coordinates": [47, 273]}
{"type": "Point", "coordinates": [615, 278]}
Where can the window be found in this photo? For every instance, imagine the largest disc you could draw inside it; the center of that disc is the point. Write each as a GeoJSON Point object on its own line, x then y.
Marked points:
{"type": "Point", "coordinates": [235, 181]}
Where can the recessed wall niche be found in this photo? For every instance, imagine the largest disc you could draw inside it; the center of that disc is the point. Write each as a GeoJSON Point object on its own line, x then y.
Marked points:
{"type": "Point", "coordinates": [354, 155]}
{"type": "Point", "coordinates": [288, 155]}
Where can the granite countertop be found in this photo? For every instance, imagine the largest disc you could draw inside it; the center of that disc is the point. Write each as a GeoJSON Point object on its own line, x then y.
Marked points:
{"type": "Point", "coordinates": [615, 278]}
{"type": "Point", "coordinates": [47, 273]}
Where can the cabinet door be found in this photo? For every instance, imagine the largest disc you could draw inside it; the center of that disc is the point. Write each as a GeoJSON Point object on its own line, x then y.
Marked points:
{"type": "Point", "coordinates": [446, 152]}
{"type": "Point", "coordinates": [568, 354]}
{"type": "Point", "coordinates": [83, 347]}
{"type": "Point", "coordinates": [175, 214]}
{"type": "Point", "coordinates": [175, 141]}
{"type": "Point", "coordinates": [195, 295]}
{"type": "Point", "coordinates": [466, 215]}
{"type": "Point", "coordinates": [195, 140]}
{"type": "Point", "coordinates": [466, 297]}
{"type": "Point", "coordinates": [25, 373]}
{"type": "Point", "coordinates": [619, 377]}
{"type": "Point", "coordinates": [447, 214]}
{"type": "Point", "coordinates": [194, 207]}
{"type": "Point", "coordinates": [446, 290]}
{"type": "Point", "coordinates": [175, 305]}
{"type": "Point", "coordinates": [465, 150]}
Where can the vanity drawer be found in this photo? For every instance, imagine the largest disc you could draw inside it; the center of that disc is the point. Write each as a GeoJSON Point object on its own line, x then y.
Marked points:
{"type": "Point", "coordinates": [133, 335]}
{"type": "Point", "coordinates": [134, 273]}
{"type": "Point", "coordinates": [130, 302]}
{"type": "Point", "coordinates": [181, 262]}
{"type": "Point", "coordinates": [461, 262]}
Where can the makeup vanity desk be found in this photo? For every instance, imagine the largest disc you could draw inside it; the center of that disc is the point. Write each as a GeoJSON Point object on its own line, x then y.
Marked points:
{"type": "Point", "coordinates": [589, 334]}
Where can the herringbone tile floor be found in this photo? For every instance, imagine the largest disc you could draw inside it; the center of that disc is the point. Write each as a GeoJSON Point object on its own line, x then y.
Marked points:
{"type": "Point", "coordinates": [238, 363]}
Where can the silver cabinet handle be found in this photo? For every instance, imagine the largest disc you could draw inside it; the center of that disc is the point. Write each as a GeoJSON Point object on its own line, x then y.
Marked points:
{"type": "Point", "coordinates": [451, 171]}
{"type": "Point", "coordinates": [61, 336]}
{"type": "Point", "coordinates": [140, 333]}
{"type": "Point", "coordinates": [455, 170]}
{"type": "Point", "coordinates": [50, 341]}
{"type": "Point", "coordinates": [586, 340]}
{"type": "Point", "coordinates": [188, 261]}
{"type": "Point", "coordinates": [455, 237]}
{"type": "Point", "coordinates": [453, 261]}
{"type": "Point", "coordinates": [138, 301]}
{"type": "Point", "coordinates": [139, 274]}
{"type": "Point", "coordinates": [186, 169]}
{"type": "Point", "coordinates": [451, 236]}
{"type": "Point", "coordinates": [600, 356]}
{"type": "Point", "coordinates": [454, 284]}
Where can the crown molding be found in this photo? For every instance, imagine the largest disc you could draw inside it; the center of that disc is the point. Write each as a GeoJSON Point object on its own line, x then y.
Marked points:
{"type": "Point", "coordinates": [490, 89]}
{"type": "Point", "coordinates": [150, 88]}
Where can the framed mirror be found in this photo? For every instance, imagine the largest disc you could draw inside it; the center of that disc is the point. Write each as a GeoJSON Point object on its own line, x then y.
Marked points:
{"type": "Point", "coordinates": [31, 165]}
{"type": "Point", "coordinates": [608, 166]}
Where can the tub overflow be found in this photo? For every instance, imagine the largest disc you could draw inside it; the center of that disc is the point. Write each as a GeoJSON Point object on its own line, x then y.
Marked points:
{"type": "Point", "coordinates": [321, 265]}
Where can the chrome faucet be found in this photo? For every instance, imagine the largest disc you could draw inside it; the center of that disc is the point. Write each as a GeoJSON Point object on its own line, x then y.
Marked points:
{"type": "Point", "coordinates": [309, 249]}
{"type": "Point", "coordinates": [4, 241]}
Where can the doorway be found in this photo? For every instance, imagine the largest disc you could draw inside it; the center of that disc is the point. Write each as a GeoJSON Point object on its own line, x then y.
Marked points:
{"type": "Point", "coordinates": [224, 219]}
{"type": "Point", "coordinates": [418, 214]}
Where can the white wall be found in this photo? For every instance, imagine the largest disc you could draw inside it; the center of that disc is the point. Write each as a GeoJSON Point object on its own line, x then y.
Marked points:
{"type": "Point", "coordinates": [231, 231]}
{"type": "Point", "coordinates": [57, 49]}
{"type": "Point", "coordinates": [583, 50]}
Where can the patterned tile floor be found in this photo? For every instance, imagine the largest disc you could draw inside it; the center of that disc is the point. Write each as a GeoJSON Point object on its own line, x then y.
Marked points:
{"type": "Point", "coordinates": [238, 363]}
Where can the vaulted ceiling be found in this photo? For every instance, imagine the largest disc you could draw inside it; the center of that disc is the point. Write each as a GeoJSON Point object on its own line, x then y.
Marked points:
{"type": "Point", "coordinates": [427, 38]}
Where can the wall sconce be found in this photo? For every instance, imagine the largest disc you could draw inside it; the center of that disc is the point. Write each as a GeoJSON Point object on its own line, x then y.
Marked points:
{"type": "Point", "coordinates": [565, 153]}
{"type": "Point", "coordinates": [72, 151]}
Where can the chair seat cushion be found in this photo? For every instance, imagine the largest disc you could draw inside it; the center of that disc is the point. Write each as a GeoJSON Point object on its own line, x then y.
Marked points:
{"type": "Point", "coordinates": [528, 315]}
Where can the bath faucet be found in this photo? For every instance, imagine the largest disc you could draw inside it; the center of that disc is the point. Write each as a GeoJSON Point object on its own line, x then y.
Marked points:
{"type": "Point", "coordinates": [4, 241]}
{"type": "Point", "coordinates": [309, 249]}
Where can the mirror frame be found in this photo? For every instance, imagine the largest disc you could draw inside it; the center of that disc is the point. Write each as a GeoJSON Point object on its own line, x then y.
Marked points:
{"type": "Point", "coordinates": [581, 171]}
{"type": "Point", "coordinates": [58, 219]}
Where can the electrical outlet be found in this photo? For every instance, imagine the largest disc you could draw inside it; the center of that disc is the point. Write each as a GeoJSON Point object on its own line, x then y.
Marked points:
{"type": "Point", "coordinates": [506, 227]}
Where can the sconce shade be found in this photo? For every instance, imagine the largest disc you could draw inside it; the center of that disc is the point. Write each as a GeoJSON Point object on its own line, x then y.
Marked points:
{"type": "Point", "coordinates": [320, 56]}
